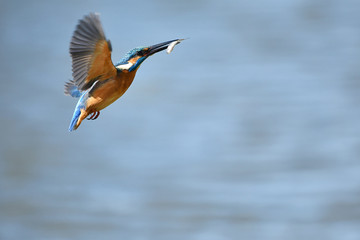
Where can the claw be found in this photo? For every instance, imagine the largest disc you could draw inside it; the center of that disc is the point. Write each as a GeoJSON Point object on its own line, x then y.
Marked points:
{"type": "Point", "coordinates": [94, 115]}
{"type": "Point", "coordinates": [97, 115]}
{"type": "Point", "coordinates": [91, 117]}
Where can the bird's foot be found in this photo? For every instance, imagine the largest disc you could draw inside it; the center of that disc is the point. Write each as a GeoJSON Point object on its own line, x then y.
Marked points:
{"type": "Point", "coordinates": [94, 115]}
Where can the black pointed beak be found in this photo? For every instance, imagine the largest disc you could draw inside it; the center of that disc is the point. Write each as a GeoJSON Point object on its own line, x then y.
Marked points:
{"type": "Point", "coordinates": [161, 46]}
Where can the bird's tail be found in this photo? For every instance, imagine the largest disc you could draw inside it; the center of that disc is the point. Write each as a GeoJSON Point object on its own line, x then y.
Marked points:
{"type": "Point", "coordinates": [78, 115]}
{"type": "Point", "coordinates": [75, 122]}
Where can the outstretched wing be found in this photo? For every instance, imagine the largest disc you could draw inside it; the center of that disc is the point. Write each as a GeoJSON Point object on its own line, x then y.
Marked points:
{"type": "Point", "coordinates": [91, 53]}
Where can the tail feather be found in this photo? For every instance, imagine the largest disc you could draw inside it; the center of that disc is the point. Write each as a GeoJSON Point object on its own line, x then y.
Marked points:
{"type": "Point", "coordinates": [73, 124]}
{"type": "Point", "coordinates": [77, 113]}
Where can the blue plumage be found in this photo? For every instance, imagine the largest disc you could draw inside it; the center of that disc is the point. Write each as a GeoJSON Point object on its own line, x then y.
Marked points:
{"type": "Point", "coordinates": [91, 64]}
{"type": "Point", "coordinates": [72, 90]}
{"type": "Point", "coordinates": [74, 119]}
{"type": "Point", "coordinates": [137, 64]}
{"type": "Point", "coordinates": [81, 104]}
{"type": "Point", "coordinates": [132, 53]}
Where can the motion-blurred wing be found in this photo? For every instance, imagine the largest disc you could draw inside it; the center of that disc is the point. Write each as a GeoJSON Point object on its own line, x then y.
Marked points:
{"type": "Point", "coordinates": [91, 53]}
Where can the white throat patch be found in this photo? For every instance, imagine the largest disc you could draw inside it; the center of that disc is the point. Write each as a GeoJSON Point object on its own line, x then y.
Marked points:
{"type": "Point", "coordinates": [126, 66]}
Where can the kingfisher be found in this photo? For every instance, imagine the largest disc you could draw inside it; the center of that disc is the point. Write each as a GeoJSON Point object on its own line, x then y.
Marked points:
{"type": "Point", "coordinates": [97, 82]}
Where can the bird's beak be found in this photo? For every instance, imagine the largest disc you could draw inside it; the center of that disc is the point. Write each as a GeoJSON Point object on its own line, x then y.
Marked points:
{"type": "Point", "coordinates": [162, 46]}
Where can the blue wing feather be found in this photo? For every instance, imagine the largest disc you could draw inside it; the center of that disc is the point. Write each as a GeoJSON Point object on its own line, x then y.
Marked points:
{"type": "Point", "coordinates": [71, 89]}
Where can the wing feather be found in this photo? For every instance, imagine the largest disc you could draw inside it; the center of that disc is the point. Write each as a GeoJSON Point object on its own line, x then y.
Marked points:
{"type": "Point", "coordinates": [91, 53]}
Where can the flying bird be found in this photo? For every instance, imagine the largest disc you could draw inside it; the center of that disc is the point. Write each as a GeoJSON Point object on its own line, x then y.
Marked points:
{"type": "Point", "coordinates": [97, 82]}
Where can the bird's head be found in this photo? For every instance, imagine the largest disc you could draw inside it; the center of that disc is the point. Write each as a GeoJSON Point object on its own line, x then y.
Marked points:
{"type": "Point", "coordinates": [136, 56]}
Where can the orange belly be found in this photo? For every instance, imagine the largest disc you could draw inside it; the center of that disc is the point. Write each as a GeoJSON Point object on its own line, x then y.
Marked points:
{"type": "Point", "coordinates": [109, 92]}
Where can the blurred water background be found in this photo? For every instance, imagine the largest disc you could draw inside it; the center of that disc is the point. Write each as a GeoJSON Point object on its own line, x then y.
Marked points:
{"type": "Point", "coordinates": [248, 130]}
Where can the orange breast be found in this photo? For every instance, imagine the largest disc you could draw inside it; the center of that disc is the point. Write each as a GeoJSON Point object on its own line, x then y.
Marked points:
{"type": "Point", "coordinates": [110, 91]}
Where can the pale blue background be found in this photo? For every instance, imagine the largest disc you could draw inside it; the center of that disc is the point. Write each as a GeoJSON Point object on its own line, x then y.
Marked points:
{"type": "Point", "coordinates": [248, 130]}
